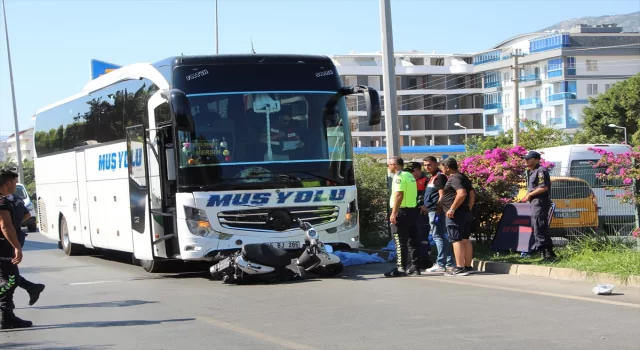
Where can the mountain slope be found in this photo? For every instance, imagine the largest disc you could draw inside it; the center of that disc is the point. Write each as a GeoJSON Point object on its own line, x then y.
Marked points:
{"type": "Point", "coordinates": [629, 22]}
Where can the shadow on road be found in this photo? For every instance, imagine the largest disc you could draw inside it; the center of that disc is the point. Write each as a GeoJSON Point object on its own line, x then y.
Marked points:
{"type": "Point", "coordinates": [49, 346]}
{"type": "Point", "coordinates": [96, 324]}
{"type": "Point", "coordinates": [30, 246]}
{"type": "Point", "coordinates": [123, 303]}
{"type": "Point", "coordinates": [44, 269]}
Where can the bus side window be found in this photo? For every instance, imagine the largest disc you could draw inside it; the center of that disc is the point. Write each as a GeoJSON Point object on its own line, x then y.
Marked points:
{"type": "Point", "coordinates": [162, 113]}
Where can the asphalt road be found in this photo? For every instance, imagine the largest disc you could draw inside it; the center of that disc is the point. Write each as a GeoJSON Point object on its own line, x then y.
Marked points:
{"type": "Point", "coordinates": [97, 302]}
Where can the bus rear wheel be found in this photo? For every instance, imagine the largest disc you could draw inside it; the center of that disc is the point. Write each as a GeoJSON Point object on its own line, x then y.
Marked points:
{"type": "Point", "coordinates": [70, 249]}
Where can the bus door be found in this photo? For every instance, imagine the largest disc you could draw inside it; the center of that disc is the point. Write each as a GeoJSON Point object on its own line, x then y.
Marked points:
{"type": "Point", "coordinates": [139, 193]}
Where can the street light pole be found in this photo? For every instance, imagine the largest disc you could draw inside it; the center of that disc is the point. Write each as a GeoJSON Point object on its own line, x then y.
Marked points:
{"type": "Point", "coordinates": [13, 98]}
{"type": "Point", "coordinates": [465, 131]}
{"type": "Point", "coordinates": [217, 51]}
{"type": "Point", "coordinates": [626, 142]}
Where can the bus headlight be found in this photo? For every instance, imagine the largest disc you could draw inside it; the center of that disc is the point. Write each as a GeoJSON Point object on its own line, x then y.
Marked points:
{"type": "Point", "coordinates": [198, 223]}
{"type": "Point", "coordinates": [351, 217]}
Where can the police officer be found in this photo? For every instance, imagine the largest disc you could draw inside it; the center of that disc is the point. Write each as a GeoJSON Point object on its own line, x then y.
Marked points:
{"type": "Point", "coordinates": [20, 215]}
{"type": "Point", "coordinates": [10, 254]}
{"type": "Point", "coordinates": [404, 216]}
{"type": "Point", "coordinates": [539, 189]}
{"type": "Point", "coordinates": [415, 169]}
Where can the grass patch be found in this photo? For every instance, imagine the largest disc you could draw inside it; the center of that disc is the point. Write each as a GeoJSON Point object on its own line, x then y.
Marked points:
{"type": "Point", "coordinates": [591, 254]}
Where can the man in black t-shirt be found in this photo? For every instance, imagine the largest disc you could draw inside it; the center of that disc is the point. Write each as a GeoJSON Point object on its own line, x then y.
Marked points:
{"type": "Point", "coordinates": [457, 200]}
{"type": "Point", "coordinates": [20, 215]}
{"type": "Point", "coordinates": [10, 254]}
{"type": "Point", "coordinates": [433, 208]}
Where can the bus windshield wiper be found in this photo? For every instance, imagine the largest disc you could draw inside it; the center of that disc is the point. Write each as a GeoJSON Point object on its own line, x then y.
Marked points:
{"type": "Point", "coordinates": [312, 175]}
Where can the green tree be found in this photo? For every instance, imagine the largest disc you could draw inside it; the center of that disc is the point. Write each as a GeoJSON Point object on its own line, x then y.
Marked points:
{"type": "Point", "coordinates": [533, 135]}
{"type": "Point", "coordinates": [621, 106]}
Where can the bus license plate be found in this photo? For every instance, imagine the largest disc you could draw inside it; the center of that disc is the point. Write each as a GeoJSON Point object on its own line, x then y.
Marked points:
{"type": "Point", "coordinates": [286, 245]}
{"type": "Point", "coordinates": [570, 215]}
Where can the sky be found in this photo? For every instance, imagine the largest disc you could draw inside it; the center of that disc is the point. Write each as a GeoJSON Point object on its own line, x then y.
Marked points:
{"type": "Point", "coordinates": [53, 41]}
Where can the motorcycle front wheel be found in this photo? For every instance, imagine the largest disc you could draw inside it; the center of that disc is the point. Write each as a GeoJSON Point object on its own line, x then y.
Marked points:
{"type": "Point", "coordinates": [329, 270]}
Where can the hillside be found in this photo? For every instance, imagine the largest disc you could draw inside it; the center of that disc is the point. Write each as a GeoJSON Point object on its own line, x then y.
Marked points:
{"type": "Point", "coordinates": [629, 22]}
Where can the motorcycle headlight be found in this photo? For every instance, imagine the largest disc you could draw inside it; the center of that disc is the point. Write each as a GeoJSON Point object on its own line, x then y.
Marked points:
{"type": "Point", "coordinates": [351, 217]}
{"type": "Point", "coordinates": [198, 223]}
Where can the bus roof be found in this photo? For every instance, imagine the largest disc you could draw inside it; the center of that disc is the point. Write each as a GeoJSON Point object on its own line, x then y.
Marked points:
{"type": "Point", "coordinates": [242, 59]}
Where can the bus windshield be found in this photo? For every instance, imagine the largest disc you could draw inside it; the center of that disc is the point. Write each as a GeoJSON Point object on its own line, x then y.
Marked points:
{"type": "Point", "coordinates": [263, 135]}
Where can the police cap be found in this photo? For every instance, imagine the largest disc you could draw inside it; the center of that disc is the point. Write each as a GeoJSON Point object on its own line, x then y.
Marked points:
{"type": "Point", "coordinates": [532, 155]}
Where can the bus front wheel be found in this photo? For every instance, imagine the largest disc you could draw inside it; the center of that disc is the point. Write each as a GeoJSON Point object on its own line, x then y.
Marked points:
{"type": "Point", "coordinates": [153, 266]}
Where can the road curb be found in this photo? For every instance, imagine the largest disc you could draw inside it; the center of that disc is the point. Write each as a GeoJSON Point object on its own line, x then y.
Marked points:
{"type": "Point", "coordinates": [556, 273]}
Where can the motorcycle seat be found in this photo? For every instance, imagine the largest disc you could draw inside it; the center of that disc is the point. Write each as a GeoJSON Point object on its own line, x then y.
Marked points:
{"type": "Point", "coordinates": [264, 254]}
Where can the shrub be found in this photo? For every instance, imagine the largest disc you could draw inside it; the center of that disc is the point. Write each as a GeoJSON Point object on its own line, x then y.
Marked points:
{"type": "Point", "coordinates": [496, 176]}
{"type": "Point", "coordinates": [621, 168]}
{"type": "Point", "coordinates": [371, 179]}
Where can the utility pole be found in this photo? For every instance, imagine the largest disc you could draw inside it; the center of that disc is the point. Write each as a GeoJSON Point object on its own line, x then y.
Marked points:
{"type": "Point", "coordinates": [13, 97]}
{"type": "Point", "coordinates": [516, 96]}
{"type": "Point", "coordinates": [389, 81]}
{"type": "Point", "coordinates": [217, 51]}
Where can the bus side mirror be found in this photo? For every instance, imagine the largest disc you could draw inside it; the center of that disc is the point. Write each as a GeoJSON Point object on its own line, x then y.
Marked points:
{"type": "Point", "coordinates": [372, 104]}
{"type": "Point", "coordinates": [180, 109]}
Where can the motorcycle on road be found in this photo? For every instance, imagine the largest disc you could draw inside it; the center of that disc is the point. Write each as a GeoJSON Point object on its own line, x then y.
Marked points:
{"type": "Point", "coordinates": [257, 262]}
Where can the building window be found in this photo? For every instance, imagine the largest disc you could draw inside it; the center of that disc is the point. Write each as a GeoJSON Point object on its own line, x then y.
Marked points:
{"type": "Point", "coordinates": [592, 89]}
{"type": "Point", "coordinates": [592, 65]}
{"type": "Point", "coordinates": [507, 99]}
{"type": "Point", "coordinates": [607, 87]}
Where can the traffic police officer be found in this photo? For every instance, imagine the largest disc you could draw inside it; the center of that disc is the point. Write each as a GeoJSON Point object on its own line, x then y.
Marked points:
{"type": "Point", "coordinates": [404, 217]}
{"type": "Point", "coordinates": [539, 190]}
{"type": "Point", "coordinates": [10, 254]}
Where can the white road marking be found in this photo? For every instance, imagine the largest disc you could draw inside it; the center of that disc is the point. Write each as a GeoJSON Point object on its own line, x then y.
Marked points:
{"type": "Point", "coordinates": [256, 335]}
{"type": "Point", "coordinates": [534, 292]}
{"type": "Point", "coordinates": [93, 282]}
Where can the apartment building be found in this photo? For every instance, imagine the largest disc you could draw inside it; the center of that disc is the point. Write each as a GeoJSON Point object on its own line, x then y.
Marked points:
{"type": "Point", "coordinates": [3, 151]}
{"type": "Point", "coordinates": [435, 93]}
{"type": "Point", "coordinates": [443, 98]}
{"type": "Point", "coordinates": [26, 145]}
{"type": "Point", "coordinates": [558, 72]}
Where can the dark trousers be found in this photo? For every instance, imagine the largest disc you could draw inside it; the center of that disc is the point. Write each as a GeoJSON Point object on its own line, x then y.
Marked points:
{"type": "Point", "coordinates": [424, 247]}
{"type": "Point", "coordinates": [9, 281]}
{"type": "Point", "coordinates": [540, 224]}
{"type": "Point", "coordinates": [405, 234]}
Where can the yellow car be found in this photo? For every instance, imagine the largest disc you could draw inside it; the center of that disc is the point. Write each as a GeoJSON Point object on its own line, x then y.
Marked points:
{"type": "Point", "coordinates": [576, 205]}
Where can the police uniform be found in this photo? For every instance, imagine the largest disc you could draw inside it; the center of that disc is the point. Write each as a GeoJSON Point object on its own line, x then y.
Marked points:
{"type": "Point", "coordinates": [9, 276]}
{"type": "Point", "coordinates": [540, 207]}
{"type": "Point", "coordinates": [405, 231]}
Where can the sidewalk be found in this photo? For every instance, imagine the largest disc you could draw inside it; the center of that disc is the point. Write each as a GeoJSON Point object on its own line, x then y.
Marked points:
{"type": "Point", "coordinates": [557, 273]}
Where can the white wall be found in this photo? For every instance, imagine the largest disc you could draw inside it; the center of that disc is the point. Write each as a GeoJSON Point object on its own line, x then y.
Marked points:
{"type": "Point", "coordinates": [582, 86]}
{"type": "Point", "coordinates": [609, 65]}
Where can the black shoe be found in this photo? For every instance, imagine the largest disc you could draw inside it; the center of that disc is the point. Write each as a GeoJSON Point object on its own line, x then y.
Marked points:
{"type": "Point", "coordinates": [11, 321]}
{"type": "Point", "coordinates": [457, 271]}
{"type": "Point", "coordinates": [34, 293]}
{"type": "Point", "coordinates": [414, 271]}
{"type": "Point", "coordinates": [469, 270]}
{"type": "Point", "coordinates": [395, 273]}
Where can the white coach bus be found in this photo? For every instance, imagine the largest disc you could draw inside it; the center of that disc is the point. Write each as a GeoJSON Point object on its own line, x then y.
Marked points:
{"type": "Point", "coordinates": [172, 161]}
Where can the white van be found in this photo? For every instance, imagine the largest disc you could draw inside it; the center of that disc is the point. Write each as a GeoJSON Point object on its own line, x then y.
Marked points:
{"type": "Point", "coordinates": [21, 192]}
{"type": "Point", "coordinates": [577, 161]}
